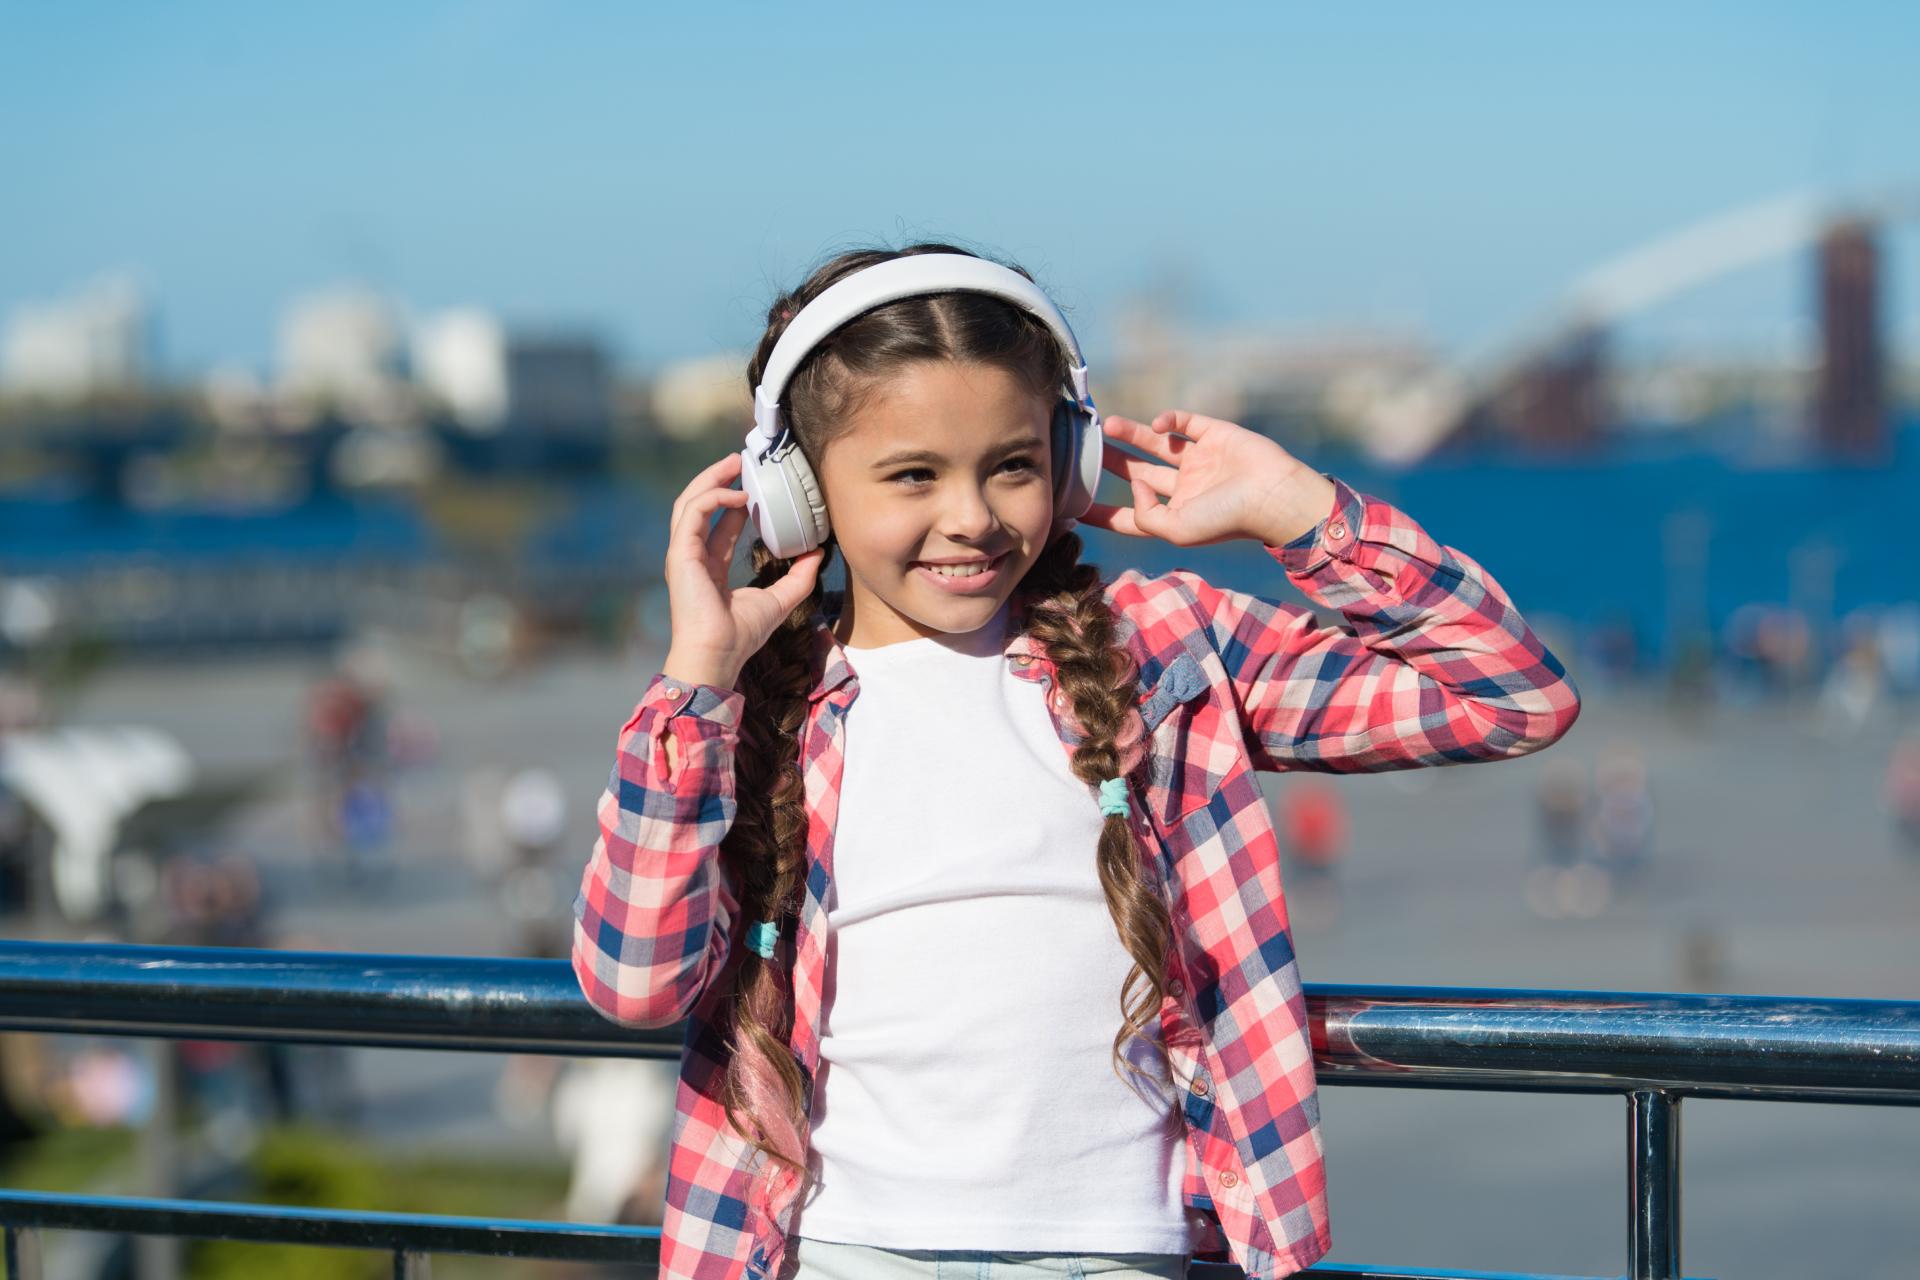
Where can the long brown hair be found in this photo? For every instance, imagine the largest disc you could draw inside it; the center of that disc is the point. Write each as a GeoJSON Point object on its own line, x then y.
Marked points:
{"type": "Point", "coordinates": [1065, 612]}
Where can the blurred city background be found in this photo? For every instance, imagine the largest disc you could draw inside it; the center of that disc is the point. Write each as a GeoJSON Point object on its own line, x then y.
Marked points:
{"type": "Point", "coordinates": [350, 358]}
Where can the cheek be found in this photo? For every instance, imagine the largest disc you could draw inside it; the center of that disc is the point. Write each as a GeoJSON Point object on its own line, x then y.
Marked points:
{"type": "Point", "coordinates": [1031, 511]}
{"type": "Point", "coordinates": [882, 531]}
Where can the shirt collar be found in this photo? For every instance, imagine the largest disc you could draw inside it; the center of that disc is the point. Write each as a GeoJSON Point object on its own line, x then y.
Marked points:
{"type": "Point", "coordinates": [830, 656]}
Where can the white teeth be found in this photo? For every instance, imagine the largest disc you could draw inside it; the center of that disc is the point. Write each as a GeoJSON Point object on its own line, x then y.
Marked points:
{"type": "Point", "coordinates": [973, 570]}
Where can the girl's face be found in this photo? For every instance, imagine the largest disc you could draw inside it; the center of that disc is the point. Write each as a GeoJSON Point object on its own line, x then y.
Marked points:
{"type": "Point", "coordinates": [940, 495]}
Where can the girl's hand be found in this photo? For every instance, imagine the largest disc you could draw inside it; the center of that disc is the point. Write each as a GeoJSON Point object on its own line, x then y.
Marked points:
{"type": "Point", "coordinates": [1220, 480]}
{"type": "Point", "coordinates": [717, 628]}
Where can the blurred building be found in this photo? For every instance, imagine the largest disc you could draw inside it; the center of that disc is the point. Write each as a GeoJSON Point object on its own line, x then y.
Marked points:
{"type": "Point", "coordinates": [558, 385]}
{"type": "Point", "coordinates": [1850, 413]}
{"type": "Point", "coordinates": [342, 348]}
{"type": "Point", "coordinates": [1303, 389]}
{"type": "Point", "coordinates": [707, 396]}
{"type": "Point", "coordinates": [460, 358]}
{"type": "Point", "coordinates": [1557, 400]}
{"type": "Point", "coordinates": [98, 340]}
{"type": "Point", "coordinates": [493, 380]}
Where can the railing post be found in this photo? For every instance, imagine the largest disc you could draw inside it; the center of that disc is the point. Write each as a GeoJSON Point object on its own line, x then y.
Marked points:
{"type": "Point", "coordinates": [160, 1257]}
{"type": "Point", "coordinates": [1653, 1184]}
{"type": "Point", "coordinates": [408, 1265]}
{"type": "Point", "coordinates": [23, 1253]}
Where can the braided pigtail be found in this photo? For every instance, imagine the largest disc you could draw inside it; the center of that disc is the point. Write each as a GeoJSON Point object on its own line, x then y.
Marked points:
{"type": "Point", "coordinates": [766, 849]}
{"type": "Point", "coordinates": [1071, 619]}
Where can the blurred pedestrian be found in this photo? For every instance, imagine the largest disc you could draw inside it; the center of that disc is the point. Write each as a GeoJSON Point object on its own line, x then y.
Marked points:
{"type": "Point", "coordinates": [1902, 792]}
{"type": "Point", "coordinates": [1622, 815]}
{"type": "Point", "coordinates": [350, 749]}
{"type": "Point", "coordinates": [1560, 807]}
{"type": "Point", "coordinates": [1313, 839]}
{"type": "Point", "coordinates": [1850, 694]}
{"type": "Point", "coordinates": [1565, 879]}
{"type": "Point", "coordinates": [617, 1116]}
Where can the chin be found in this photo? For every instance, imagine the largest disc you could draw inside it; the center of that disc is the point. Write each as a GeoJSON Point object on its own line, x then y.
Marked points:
{"type": "Point", "coordinates": [957, 616]}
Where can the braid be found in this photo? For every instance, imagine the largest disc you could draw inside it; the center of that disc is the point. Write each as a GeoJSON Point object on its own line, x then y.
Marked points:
{"type": "Point", "coordinates": [766, 850]}
{"type": "Point", "coordinates": [1072, 621]}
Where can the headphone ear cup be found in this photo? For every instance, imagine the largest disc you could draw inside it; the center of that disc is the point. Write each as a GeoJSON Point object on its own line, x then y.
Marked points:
{"type": "Point", "coordinates": [808, 499]}
{"type": "Point", "coordinates": [784, 499]}
{"type": "Point", "coordinates": [1076, 460]}
{"type": "Point", "coordinates": [1060, 440]}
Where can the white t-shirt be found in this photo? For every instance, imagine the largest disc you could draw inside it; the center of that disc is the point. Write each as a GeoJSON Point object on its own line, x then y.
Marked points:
{"type": "Point", "coordinates": [966, 1096]}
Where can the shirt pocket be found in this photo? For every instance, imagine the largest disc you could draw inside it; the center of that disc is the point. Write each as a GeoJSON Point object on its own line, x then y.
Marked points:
{"type": "Point", "coordinates": [1186, 762]}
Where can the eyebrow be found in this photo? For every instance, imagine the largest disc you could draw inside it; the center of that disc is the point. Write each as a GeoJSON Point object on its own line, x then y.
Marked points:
{"type": "Point", "coordinates": [928, 455]}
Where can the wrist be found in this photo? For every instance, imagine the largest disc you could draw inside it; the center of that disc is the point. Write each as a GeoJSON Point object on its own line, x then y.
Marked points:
{"type": "Point", "coordinates": [1296, 506]}
{"type": "Point", "coordinates": [693, 668]}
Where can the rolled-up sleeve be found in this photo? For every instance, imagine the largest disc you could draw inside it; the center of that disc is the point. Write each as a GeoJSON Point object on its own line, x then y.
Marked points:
{"type": "Point", "coordinates": [1433, 666]}
{"type": "Point", "coordinates": [655, 908]}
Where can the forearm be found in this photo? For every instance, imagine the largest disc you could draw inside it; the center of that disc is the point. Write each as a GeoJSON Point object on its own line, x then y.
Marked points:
{"type": "Point", "coordinates": [655, 907]}
{"type": "Point", "coordinates": [1435, 665]}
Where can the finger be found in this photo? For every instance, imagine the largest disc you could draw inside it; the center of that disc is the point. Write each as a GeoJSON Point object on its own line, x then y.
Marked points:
{"type": "Point", "coordinates": [1189, 424]}
{"type": "Point", "coordinates": [1149, 516]}
{"type": "Point", "coordinates": [1142, 437]}
{"type": "Point", "coordinates": [723, 538]}
{"type": "Point", "coordinates": [717, 474]}
{"type": "Point", "coordinates": [1114, 519]}
{"type": "Point", "coordinates": [688, 538]}
{"type": "Point", "coordinates": [1160, 479]}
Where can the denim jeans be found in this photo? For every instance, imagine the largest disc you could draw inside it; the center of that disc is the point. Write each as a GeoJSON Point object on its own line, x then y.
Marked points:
{"type": "Point", "coordinates": [831, 1260]}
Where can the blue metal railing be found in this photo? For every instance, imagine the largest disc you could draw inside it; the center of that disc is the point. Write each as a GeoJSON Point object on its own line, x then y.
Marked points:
{"type": "Point", "coordinates": [1652, 1049]}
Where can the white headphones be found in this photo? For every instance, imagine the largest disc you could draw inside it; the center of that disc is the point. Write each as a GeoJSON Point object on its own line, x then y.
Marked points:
{"type": "Point", "coordinates": [783, 495]}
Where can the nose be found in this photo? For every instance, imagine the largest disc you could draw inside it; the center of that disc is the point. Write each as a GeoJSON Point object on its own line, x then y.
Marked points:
{"type": "Point", "coordinates": [967, 517]}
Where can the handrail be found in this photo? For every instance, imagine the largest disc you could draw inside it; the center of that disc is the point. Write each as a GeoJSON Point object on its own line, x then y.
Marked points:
{"type": "Point", "coordinates": [1653, 1048]}
{"type": "Point", "coordinates": [1721, 1046]}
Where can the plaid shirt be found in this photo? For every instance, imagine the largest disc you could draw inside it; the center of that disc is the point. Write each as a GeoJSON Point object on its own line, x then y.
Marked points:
{"type": "Point", "coordinates": [1438, 668]}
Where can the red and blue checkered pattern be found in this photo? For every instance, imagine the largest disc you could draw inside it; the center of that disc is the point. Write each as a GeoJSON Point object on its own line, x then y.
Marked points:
{"type": "Point", "coordinates": [1434, 667]}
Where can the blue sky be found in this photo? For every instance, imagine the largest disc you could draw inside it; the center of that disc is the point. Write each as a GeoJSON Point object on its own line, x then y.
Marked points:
{"type": "Point", "coordinates": [655, 171]}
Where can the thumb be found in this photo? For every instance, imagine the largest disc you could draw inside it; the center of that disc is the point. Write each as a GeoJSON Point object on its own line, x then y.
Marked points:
{"type": "Point", "coordinates": [796, 584]}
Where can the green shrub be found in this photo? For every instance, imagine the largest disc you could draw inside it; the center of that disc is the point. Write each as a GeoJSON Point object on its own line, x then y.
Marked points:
{"type": "Point", "coordinates": [302, 1166]}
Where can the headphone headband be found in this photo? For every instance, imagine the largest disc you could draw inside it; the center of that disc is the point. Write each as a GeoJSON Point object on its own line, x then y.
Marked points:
{"type": "Point", "coordinates": [887, 281]}
{"type": "Point", "coordinates": [783, 495]}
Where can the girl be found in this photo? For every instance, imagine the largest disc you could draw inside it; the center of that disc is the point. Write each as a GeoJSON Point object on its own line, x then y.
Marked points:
{"type": "Point", "coordinates": [890, 852]}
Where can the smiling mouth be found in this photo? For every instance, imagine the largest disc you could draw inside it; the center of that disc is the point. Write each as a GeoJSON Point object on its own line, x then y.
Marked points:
{"type": "Point", "coordinates": [967, 569]}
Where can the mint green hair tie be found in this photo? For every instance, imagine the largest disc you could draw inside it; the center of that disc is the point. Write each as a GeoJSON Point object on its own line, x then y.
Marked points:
{"type": "Point", "coordinates": [760, 937]}
{"type": "Point", "coordinates": [1114, 801]}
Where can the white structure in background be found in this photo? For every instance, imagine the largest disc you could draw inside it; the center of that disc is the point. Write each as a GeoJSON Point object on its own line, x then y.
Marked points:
{"type": "Point", "coordinates": [235, 398]}
{"type": "Point", "coordinates": [343, 346]}
{"type": "Point", "coordinates": [1376, 387]}
{"type": "Point", "coordinates": [83, 783]}
{"type": "Point", "coordinates": [460, 357]}
{"type": "Point", "coordinates": [696, 397]}
{"type": "Point", "coordinates": [96, 340]}
{"type": "Point", "coordinates": [495, 380]}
